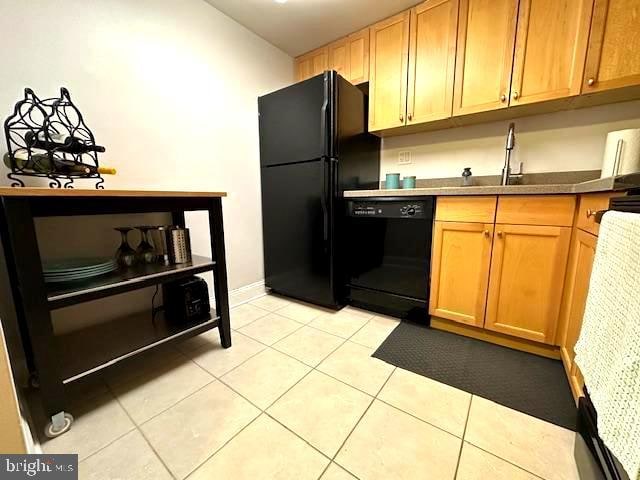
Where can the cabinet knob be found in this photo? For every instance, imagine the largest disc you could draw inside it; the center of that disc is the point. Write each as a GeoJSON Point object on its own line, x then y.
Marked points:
{"type": "Point", "coordinates": [410, 117]}
{"type": "Point", "coordinates": [591, 213]}
{"type": "Point", "coordinates": [591, 81]}
{"type": "Point", "coordinates": [499, 233]}
{"type": "Point", "coordinates": [516, 95]}
{"type": "Point", "coordinates": [503, 98]}
{"type": "Point", "coordinates": [486, 233]}
{"type": "Point", "coordinates": [401, 118]}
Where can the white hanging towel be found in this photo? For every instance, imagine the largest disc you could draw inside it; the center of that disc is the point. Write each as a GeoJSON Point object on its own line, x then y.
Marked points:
{"type": "Point", "coordinates": [608, 350]}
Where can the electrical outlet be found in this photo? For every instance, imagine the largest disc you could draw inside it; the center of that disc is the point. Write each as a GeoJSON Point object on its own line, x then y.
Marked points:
{"type": "Point", "coordinates": [404, 157]}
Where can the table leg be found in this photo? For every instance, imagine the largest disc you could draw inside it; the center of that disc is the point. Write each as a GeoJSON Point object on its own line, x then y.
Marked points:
{"type": "Point", "coordinates": [19, 237]}
{"type": "Point", "coordinates": [220, 287]}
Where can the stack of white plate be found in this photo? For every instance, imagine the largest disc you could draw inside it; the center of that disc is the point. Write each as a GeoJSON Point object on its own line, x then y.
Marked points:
{"type": "Point", "coordinates": [75, 269]}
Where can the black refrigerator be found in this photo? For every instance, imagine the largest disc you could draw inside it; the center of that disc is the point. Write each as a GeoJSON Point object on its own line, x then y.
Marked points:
{"type": "Point", "coordinates": [314, 145]}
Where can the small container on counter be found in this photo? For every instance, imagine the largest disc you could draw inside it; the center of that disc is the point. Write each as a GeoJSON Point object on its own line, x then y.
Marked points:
{"type": "Point", "coordinates": [409, 182]}
{"type": "Point", "coordinates": [467, 177]}
{"type": "Point", "coordinates": [392, 181]}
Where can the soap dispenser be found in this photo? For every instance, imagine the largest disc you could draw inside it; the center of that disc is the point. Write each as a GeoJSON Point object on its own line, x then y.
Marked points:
{"type": "Point", "coordinates": [467, 177]}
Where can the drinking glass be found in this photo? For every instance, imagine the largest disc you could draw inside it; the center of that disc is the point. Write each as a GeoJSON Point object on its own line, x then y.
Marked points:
{"type": "Point", "coordinates": [125, 255]}
{"type": "Point", "coordinates": [145, 252]}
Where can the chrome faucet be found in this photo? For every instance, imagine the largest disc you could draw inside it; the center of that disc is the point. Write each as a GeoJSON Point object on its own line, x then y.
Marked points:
{"type": "Point", "coordinates": [507, 177]}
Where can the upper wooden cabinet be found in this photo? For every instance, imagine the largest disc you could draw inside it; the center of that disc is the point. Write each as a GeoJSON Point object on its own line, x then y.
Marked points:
{"type": "Point", "coordinates": [358, 51]}
{"type": "Point", "coordinates": [311, 64]}
{"type": "Point", "coordinates": [527, 275]}
{"type": "Point", "coordinates": [349, 57]}
{"type": "Point", "coordinates": [388, 72]}
{"type": "Point", "coordinates": [432, 57]}
{"type": "Point", "coordinates": [551, 46]}
{"type": "Point", "coordinates": [461, 58]}
{"type": "Point", "coordinates": [486, 37]}
{"type": "Point", "coordinates": [338, 57]}
{"type": "Point", "coordinates": [613, 58]}
{"type": "Point", "coordinates": [460, 271]}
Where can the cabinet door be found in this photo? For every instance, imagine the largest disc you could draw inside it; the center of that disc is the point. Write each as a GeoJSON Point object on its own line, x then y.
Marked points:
{"type": "Point", "coordinates": [486, 37]}
{"type": "Point", "coordinates": [339, 57]}
{"type": "Point", "coordinates": [613, 57]}
{"type": "Point", "coordinates": [432, 57]}
{"type": "Point", "coordinates": [460, 271]}
{"type": "Point", "coordinates": [527, 275]}
{"type": "Point", "coordinates": [358, 47]}
{"type": "Point", "coordinates": [551, 46]}
{"type": "Point", "coordinates": [319, 61]}
{"type": "Point", "coordinates": [303, 68]}
{"type": "Point", "coordinates": [388, 72]}
{"type": "Point", "coordinates": [583, 250]}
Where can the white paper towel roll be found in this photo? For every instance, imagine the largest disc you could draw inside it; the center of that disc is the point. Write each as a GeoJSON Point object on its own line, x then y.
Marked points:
{"type": "Point", "coordinates": [621, 153]}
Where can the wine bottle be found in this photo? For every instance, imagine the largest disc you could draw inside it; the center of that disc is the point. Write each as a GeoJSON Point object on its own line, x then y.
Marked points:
{"type": "Point", "coordinates": [41, 163]}
{"type": "Point", "coordinates": [60, 142]}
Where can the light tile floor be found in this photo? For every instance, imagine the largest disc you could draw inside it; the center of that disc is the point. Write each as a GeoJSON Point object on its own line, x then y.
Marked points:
{"type": "Point", "coordinates": [299, 396]}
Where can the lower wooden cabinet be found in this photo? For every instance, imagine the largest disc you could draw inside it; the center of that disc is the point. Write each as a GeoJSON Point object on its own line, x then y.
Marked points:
{"type": "Point", "coordinates": [527, 275]}
{"type": "Point", "coordinates": [583, 250]}
{"type": "Point", "coordinates": [461, 257]}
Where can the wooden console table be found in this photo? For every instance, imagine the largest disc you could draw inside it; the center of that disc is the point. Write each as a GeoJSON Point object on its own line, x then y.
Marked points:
{"type": "Point", "coordinates": [56, 361]}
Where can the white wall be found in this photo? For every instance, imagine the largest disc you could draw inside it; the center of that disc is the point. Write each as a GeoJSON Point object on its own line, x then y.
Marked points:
{"type": "Point", "coordinates": [170, 88]}
{"type": "Point", "coordinates": [556, 142]}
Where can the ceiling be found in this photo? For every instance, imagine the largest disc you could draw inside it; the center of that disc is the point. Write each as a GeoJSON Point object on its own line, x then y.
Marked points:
{"type": "Point", "coordinates": [298, 26]}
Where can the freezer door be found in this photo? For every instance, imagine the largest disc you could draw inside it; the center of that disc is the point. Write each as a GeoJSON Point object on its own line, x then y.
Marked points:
{"type": "Point", "coordinates": [296, 122]}
{"type": "Point", "coordinates": [297, 212]}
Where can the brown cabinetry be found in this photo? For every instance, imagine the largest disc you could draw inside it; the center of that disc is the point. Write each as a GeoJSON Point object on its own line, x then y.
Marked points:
{"type": "Point", "coordinates": [551, 45]}
{"type": "Point", "coordinates": [358, 52]}
{"type": "Point", "coordinates": [460, 262]}
{"type": "Point", "coordinates": [498, 263]}
{"type": "Point", "coordinates": [388, 72]}
{"type": "Point", "coordinates": [452, 62]}
{"type": "Point", "coordinates": [583, 249]}
{"type": "Point", "coordinates": [432, 56]}
{"type": "Point", "coordinates": [613, 57]}
{"type": "Point", "coordinates": [486, 37]}
{"type": "Point", "coordinates": [527, 274]}
{"type": "Point", "coordinates": [576, 287]}
{"type": "Point", "coordinates": [311, 64]}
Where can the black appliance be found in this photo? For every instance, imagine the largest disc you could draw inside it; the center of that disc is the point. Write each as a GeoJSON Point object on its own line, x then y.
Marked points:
{"type": "Point", "coordinates": [313, 145]}
{"type": "Point", "coordinates": [187, 300]}
{"type": "Point", "coordinates": [594, 460]}
{"type": "Point", "coordinates": [388, 254]}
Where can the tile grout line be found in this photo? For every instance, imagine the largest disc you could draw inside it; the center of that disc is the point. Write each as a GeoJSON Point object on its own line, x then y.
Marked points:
{"type": "Point", "coordinates": [504, 460]}
{"type": "Point", "coordinates": [455, 474]}
{"type": "Point", "coordinates": [222, 446]}
{"type": "Point", "coordinates": [137, 427]}
{"type": "Point", "coordinates": [356, 426]}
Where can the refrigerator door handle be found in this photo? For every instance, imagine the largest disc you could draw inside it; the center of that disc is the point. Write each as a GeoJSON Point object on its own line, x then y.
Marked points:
{"type": "Point", "coordinates": [325, 206]}
{"type": "Point", "coordinates": [323, 126]}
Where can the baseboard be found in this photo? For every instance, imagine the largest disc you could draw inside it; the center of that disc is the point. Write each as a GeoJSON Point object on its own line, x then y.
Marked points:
{"type": "Point", "coordinates": [244, 294]}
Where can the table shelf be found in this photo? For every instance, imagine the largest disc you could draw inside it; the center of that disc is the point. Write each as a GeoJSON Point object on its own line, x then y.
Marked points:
{"type": "Point", "coordinates": [90, 350]}
{"type": "Point", "coordinates": [64, 295]}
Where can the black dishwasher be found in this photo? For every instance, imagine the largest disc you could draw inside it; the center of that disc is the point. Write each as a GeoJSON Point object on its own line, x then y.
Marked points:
{"type": "Point", "coordinates": [388, 255]}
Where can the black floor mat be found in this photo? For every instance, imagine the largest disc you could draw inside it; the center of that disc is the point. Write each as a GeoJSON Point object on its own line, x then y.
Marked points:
{"type": "Point", "coordinates": [528, 383]}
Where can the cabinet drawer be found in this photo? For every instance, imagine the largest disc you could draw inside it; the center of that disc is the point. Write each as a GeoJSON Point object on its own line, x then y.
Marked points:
{"type": "Point", "coordinates": [554, 210]}
{"type": "Point", "coordinates": [589, 204]}
{"type": "Point", "coordinates": [466, 209]}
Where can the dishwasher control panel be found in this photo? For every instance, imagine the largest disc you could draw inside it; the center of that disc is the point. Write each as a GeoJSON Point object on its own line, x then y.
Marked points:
{"type": "Point", "coordinates": [390, 209]}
